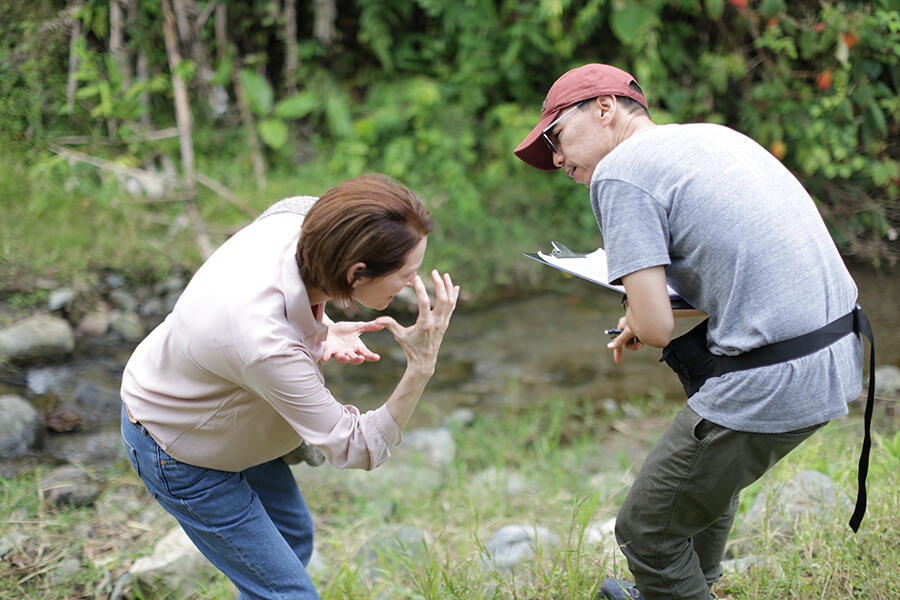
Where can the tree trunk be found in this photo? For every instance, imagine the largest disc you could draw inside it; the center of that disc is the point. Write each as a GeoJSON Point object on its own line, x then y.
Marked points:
{"type": "Point", "coordinates": [221, 30]}
{"type": "Point", "coordinates": [143, 76]}
{"type": "Point", "coordinates": [185, 125]}
{"type": "Point", "coordinates": [72, 83]}
{"type": "Point", "coordinates": [115, 51]}
{"type": "Point", "coordinates": [290, 43]}
{"type": "Point", "coordinates": [198, 48]}
{"type": "Point", "coordinates": [323, 26]}
{"type": "Point", "coordinates": [256, 157]}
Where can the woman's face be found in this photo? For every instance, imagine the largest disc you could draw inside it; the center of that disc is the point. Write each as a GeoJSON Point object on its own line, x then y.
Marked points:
{"type": "Point", "coordinates": [377, 292]}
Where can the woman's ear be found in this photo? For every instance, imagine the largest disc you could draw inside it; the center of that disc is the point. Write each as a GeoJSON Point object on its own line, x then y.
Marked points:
{"type": "Point", "coordinates": [353, 274]}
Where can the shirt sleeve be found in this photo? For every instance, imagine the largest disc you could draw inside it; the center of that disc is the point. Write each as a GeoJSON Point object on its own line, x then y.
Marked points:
{"type": "Point", "coordinates": [634, 225]}
{"type": "Point", "coordinates": [292, 384]}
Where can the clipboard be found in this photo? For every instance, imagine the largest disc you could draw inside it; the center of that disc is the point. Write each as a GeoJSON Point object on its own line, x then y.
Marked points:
{"type": "Point", "coordinates": [591, 267]}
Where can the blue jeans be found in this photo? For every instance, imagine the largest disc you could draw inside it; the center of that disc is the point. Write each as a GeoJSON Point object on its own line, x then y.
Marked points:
{"type": "Point", "coordinates": [253, 525]}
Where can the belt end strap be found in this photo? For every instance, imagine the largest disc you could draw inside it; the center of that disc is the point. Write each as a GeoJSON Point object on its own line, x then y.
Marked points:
{"type": "Point", "coordinates": [862, 325]}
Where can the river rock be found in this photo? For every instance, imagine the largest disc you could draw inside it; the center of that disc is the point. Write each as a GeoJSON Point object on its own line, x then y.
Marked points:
{"type": "Point", "coordinates": [124, 300]}
{"type": "Point", "coordinates": [127, 324]}
{"type": "Point", "coordinates": [601, 535]}
{"type": "Point", "coordinates": [21, 427]}
{"type": "Point", "coordinates": [60, 298]}
{"type": "Point", "coordinates": [96, 402]}
{"type": "Point", "coordinates": [94, 323]}
{"type": "Point", "coordinates": [436, 446]}
{"type": "Point", "coordinates": [35, 338]}
{"type": "Point", "coordinates": [461, 417]}
{"type": "Point", "coordinates": [391, 546]}
{"type": "Point", "coordinates": [887, 381]}
{"type": "Point", "coordinates": [511, 483]}
{"type": "Point", "coordinates": [96, 449]}
{"type": "Point", "coordinates": [513, 544]}
{"type": "Point", "coordinates": [808, 499]}
{"type": "Point", "coordinates": [175, 568]}
{"type": "Point", "coordinates": [69, 486]}
{"type": "Point", "coordinates": [64, 571]}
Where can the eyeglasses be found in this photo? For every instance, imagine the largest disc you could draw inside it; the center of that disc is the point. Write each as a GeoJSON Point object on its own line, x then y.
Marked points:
{"type": "Point", "coordinates": [549, 128]}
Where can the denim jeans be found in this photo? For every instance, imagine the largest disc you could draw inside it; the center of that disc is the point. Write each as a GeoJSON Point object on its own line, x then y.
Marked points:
{"type": "Point", "coordinates": [674, 523]}
{"type": "Point", "coordinates": [253, 525]}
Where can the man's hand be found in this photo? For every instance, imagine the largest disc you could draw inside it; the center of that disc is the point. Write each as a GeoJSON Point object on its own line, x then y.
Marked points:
{"type": "Point", "coordinates": [343, 343]}
{"type": "Point", "coordinates": [625, 339]}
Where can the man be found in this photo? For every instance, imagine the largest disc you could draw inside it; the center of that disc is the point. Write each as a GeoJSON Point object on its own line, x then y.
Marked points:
{"type": "Point", "coordinates": [713, 214]}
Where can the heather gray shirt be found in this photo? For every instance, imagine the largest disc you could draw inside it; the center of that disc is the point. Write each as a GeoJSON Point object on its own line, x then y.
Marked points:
{"type": "Point", "coordinates": [742, 241]}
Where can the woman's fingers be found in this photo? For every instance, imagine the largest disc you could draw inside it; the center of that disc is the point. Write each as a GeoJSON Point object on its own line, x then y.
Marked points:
{"type": "Point", "coordinates": [422, 298]}
{"type": "Point", "coordinates": [392, 325]}
{"type": "Point", "coordinates": [440, 289]}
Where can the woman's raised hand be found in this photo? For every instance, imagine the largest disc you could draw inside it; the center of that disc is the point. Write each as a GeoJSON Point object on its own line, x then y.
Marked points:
{"type": "Point", "coordinates": [422, 340]}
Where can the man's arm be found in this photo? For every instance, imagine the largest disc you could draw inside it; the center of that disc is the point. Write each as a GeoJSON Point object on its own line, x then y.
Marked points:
{"type": "Point", "coordinates": [648, 311]}
{"type": "Point", "coordinates": [649, 318]}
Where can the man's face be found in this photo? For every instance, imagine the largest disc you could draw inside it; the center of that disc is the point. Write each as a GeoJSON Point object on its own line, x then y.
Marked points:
{"type": "Point", "coordinates": [582, 139]}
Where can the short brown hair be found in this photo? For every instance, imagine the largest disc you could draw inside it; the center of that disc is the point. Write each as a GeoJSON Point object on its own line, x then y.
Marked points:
{"type": "Point", "coordinates": [369, 219]}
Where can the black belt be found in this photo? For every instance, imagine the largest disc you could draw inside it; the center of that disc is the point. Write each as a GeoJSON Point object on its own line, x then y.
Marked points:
{"type": "Point", "coordinates": [690, 358]}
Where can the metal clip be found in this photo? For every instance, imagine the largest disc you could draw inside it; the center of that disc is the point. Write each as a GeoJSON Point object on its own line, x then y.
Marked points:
{"type": "Point", "coordinates": [560, 251]}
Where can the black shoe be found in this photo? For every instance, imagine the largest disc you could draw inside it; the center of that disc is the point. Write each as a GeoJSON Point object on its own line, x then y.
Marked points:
{"type": "Point", "coordinates": [618, 589]}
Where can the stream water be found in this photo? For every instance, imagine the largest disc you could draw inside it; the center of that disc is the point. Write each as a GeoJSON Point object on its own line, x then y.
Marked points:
{"type": "Point", "coordinates": [503, 356]}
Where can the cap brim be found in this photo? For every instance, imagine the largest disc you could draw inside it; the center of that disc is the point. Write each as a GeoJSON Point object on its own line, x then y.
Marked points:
{"type": "Point", "coordinates": [534, 150]}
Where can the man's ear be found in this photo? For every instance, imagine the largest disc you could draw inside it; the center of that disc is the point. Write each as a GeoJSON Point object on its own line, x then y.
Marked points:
{"type": "Point", "coordinates": [353, 277]}
{"type": "Point", "coordinates": [604, 104]}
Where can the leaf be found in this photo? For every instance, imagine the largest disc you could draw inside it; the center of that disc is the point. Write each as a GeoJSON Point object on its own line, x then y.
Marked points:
{"type": "Point", "coordinates": [298, 105]}
{"type": "Point", "coordinates": [105, 99]}
{"type": "Point", "coordinates": [259, 92]}
{"type": "Point", "coordinates": [772, 8]}
{"type": "Point", "coordinates": [629, 22]}
{"type": "Point", "coordinates": [878, 119]}
{"type": "Point", "coordinates": [274, 132]}
{"type": "Point", "coordinates": [87, 91]}
{"type": "Point", "coordinates": [337, 113]}
{"type": "Point", "coordinates": [715, 8]}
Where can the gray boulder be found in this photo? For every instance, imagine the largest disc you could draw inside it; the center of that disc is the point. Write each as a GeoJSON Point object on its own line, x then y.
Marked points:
{"type": "Point", "coordinates": [21, 427]}
{"type": "Point", "coordinates": [127, 324]}
{"type": "Point", "coordinates": [887, 381]}
{"type": "Point", "coordinates": [35, 338]}
{"type": "Point", "coordinates": [69, 485]}
{"type": "Point", "coordinates": [513, 544]}
{"type": "Point", "coordinates": [174, 569]}
{"type": "Point", "coordinates": [435, 446]}
{"type": "Point", "coordinates": [808, 499]}
{"type": "Point", "coordinates": [389, 547]}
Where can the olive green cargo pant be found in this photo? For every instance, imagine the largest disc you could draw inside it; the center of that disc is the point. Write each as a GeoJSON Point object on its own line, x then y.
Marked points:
{"type": "Point", "coordinates": [675, 521]}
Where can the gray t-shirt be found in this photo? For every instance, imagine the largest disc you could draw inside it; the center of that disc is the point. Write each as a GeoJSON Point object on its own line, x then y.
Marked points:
{"type": "Point", "coordinates": [742, 241]}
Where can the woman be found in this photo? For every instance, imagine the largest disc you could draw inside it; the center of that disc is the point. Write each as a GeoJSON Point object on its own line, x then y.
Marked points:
{"type": "Point", "coordinates": [230, 381]}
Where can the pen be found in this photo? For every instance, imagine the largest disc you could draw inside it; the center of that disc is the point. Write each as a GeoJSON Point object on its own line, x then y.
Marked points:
{"type": "Point", "coordinates": [612, 332]}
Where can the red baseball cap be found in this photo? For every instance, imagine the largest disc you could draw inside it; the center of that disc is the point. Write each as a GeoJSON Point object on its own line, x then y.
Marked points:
{"type": "Point", "coordinates": [583, 83]}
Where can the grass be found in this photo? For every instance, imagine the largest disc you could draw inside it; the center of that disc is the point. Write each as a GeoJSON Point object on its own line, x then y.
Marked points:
{"type": "Point", "coordinates": [559, 457]}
